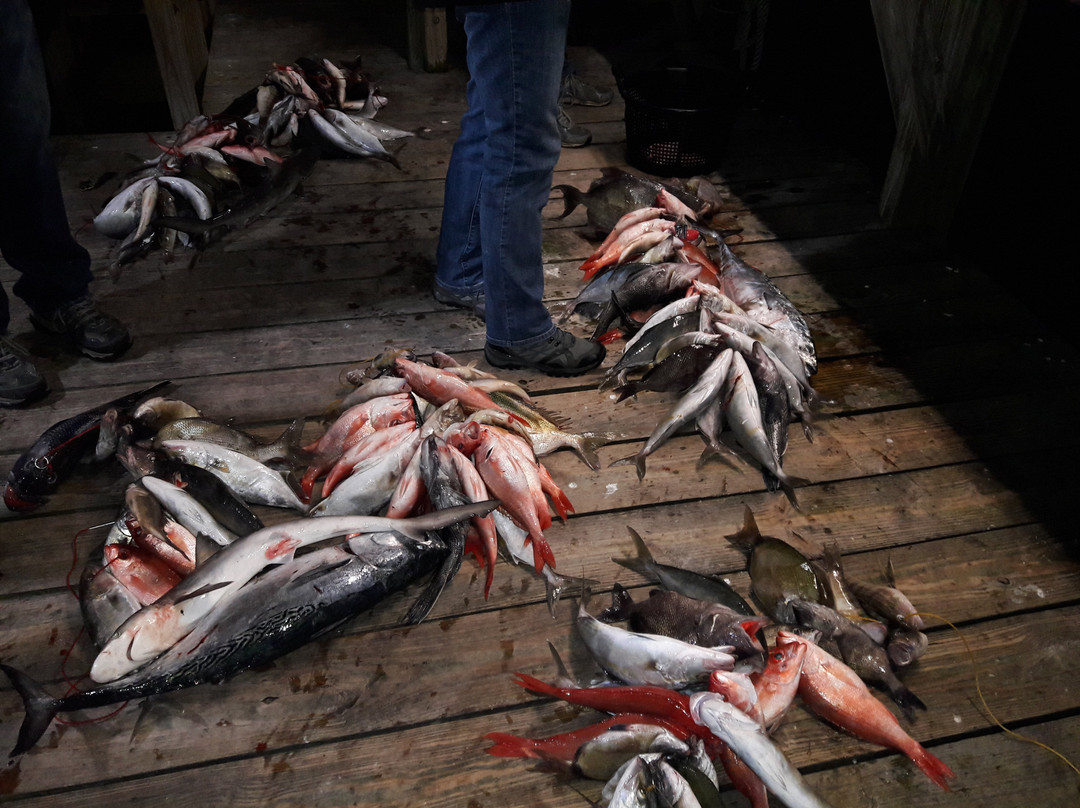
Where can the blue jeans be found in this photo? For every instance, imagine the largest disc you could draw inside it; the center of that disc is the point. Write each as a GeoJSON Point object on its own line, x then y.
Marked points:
{"type": "Point", "coordinates": [500, 170]}
{"type": "Point", "coordinates": [35, 237]}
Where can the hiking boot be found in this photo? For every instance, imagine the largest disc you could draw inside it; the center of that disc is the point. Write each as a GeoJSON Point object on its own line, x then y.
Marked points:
{"type": "Point", "coordinates": [562, 354]}
{"type": "Point", "coordinates": [93, 332]}
{"type": "Point", "coordinates": [461, 299]}
{"type": "Point", "coordinates": [572, 135]}
{"type": "Point", "coordinates": [20, 381]}
{"type": "Point", "coordinates": [576, 91]}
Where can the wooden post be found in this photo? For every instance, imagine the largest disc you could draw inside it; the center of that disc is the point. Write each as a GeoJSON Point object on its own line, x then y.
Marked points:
{"type": "Point", "coordinates": [178, 28]}
{"type": "Point", "coordinates": [943, 63]}
{"type": "Point", "coordinates": [427, 38]}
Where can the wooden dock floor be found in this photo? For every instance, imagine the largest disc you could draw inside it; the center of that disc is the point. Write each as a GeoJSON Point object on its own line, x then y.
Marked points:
{"type": "Point", "coordinates": [947, 449]}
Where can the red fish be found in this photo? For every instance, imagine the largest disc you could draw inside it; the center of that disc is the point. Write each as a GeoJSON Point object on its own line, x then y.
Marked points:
{"type": "Point", "coordinates": [836, 693]}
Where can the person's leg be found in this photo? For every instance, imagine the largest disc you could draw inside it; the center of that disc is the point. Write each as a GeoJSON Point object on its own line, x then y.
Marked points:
{"type": "Point", "coordinates": [515, 56]}
{"type": "Point", "coordinates": [459, 274]}
{"type": "Point", "coordinates": [35, 236]}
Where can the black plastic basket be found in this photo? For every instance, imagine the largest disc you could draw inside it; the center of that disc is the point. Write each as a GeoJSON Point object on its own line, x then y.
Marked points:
{"type": "Point", "coordinates": [677, 122]}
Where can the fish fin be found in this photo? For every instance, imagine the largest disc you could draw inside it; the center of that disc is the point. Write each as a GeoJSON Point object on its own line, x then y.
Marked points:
{"type": "Point", "coordinates": [556, 584]}
{"type": "Point", "coordinates": [906, 700]}
{"type": "Point", "coordinates": [41, 709]}
{"type": "Point", "coordinates": [204, 590]}
{"type": "Point", "coordinates": [571, 198]}
{"type": "Point", "coordinates": [748, 535]}
{"type": "Point", "coordinates": [562, 675]}
{"type": "Point", "coordinates": [643, 561]}
{"type": "Point", "coordinates": [621, 602]}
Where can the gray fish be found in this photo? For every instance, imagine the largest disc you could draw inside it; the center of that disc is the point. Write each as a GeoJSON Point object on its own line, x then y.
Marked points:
{"type": "Point", "coordinates": [672, 374]}
{"type": "Point", "coordinates": [755, 293]}
{"type": "Point", "coordinates": [615, 194]}
{"type": "Point", "coordinates": [687, 408]}
{"type": "Point", "coordinates": [640, 355]}
{"type": "Point", "coordinates": [775, 407]}
{"type": "Point", "coordinates": [644, 291]}
{"type": "Point", "coordinates": [686, 582]}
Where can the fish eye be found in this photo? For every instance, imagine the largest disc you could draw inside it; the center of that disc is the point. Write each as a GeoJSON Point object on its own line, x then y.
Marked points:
{"type": "Point", "coordinates": [778, 656]}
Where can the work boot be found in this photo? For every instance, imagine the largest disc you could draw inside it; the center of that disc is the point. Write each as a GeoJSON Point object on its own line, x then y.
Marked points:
{"type": "Point", "coordinates": [20, 381]}
{"type": "Point", "coordinates": [562, 354]}
{"type": "Point", "coordinates": [575, 91]}
{"type": "Point", "coordinates": [93, 332]}
{"type": "Point", "coordinates": [572, 135]}
{"type": "Point", "coordinates": [461, 299]}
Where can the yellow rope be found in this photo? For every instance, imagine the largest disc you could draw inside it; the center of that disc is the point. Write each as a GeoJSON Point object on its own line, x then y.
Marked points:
{"type": "Point", "coordinates": [986, 707]}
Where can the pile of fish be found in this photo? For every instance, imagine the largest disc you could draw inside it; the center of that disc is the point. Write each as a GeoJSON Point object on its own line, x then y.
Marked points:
{"type": "Point", "coordinates": [222, 171]}
{"type": "Point", "coordinates": [715, 331]}
{"type": "Point", "coordinates": [421, 464]}
{"type": "Point", "coordinates": [693, 680]}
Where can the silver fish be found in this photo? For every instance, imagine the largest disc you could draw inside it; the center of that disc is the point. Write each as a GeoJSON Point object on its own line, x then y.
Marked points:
{"type": "Point", "coordinates": [749, 741]}
{"type": "Point", "coordinates": [695, 400]}
{"type": "Point", "coordinates": [251, 480]}
{"type": "Point", "coordinates": [649, 659]}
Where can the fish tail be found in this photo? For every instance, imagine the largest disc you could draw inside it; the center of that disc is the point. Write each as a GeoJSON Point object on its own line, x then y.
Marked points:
{"type": "Point", "coordinates": [506, 745]}
{"type": "Point", "coordinates": [641, 563]}
{"type": "Point", "coordinates": [288, 444]}
{"type": "Point", "coordinates": [788, 485]}
{"type": "Point", "coordinates": [41, 709]}
{"type": "Point", "coordinates": [557, 584]}
{"type": "Point", "coordinates": [535, 686]}
{"type": "Point", "coordinates": [571, 198]}
{"type": "Point", "coordinates": [932, 766]}
{"type": "Point", "coordinates": [639, 464]}
{"type": "Point", "coordinates": [589, 443]}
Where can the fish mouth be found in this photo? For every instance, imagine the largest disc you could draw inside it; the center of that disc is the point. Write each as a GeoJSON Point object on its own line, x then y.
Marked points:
{"type": "Point", "coordinates": [21, 502]}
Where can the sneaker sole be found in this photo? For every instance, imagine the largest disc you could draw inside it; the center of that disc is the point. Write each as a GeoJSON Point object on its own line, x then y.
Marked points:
{"type": "Point", "coordinates": [513, 364]}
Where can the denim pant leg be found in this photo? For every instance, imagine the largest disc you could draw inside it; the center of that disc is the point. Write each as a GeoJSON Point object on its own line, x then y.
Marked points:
{"type": "Point", "coordinates": [515, 55]}
{"type": "Point", "coordinates": [459, 265]}
{"type": "Point", "coordinates": [35, 236]}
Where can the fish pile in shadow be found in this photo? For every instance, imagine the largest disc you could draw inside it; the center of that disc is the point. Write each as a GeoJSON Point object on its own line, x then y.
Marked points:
{"type": "Point", "coordinates": [420, 465]}
{"type": "Point", "coordinates": [700, 323]}
{"type": "Point", "coordinates": [221, 172]}
{"type": "Point", "coordinates": [693, 680]}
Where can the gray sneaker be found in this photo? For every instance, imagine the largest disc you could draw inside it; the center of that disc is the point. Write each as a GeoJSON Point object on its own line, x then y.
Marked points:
{"type": "Point", "coordinates": [572, 135]}
{"type": "Point", "coordinates": [87, 328]}
{"type": "Point", "coordinates": [561, 355]}
{"type": "Point", "coordinates": [576, 91]}
{"type": "Point", "coordinates": [20, 381]}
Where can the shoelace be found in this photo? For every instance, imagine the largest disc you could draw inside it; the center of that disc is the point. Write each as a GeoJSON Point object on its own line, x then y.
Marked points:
{"type": "Point", "coordinates": [9, 357]}
{"type": "Point", "coordinates": [81, 313]}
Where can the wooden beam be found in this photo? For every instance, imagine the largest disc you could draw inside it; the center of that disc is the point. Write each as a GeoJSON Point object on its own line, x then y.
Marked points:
{"type": "Point", "coordinates": [943, 62]}
{"type": "Point", "coordinates": [427, 38]}
{"type": "Point", "coordinates": [179, 34]}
